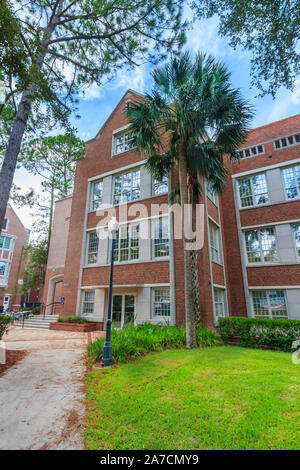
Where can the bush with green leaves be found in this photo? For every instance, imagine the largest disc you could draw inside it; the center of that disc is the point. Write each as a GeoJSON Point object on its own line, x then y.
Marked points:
{"type": "Point", "coordinates": [36, 310]}
{"type": "Point", "coordinates": [134, 341]}
{"type": "Point", "coordinates": [5, 321]}
{"type": "Point", "coordinates": [73, 319]}
{"type": "Point", "coordinates": [253, 332]}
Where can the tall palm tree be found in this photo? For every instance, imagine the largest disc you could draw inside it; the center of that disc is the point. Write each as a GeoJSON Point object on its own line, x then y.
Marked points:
{"type": "Point", "coordinates": [189, 122]}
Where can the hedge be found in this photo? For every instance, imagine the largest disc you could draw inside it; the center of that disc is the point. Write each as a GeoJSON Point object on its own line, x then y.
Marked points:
{"type": "Point", "coordinates": [73, 319]}
{"type": "Point", "coordinates": [5, 321]}
{"type": "Point", "coordinates": [255, 332]}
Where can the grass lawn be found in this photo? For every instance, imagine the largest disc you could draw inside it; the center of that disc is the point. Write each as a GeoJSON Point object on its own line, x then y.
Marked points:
{"type": "Point", "coordinates": [216, 398]}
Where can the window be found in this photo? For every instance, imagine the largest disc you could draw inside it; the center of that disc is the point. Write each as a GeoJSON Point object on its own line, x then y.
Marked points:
{"type": "Point", "coordinates": [160, 187]}
{"type": "Point", "coordinates": [291, 178]}
{"type": "Point", "coordinates": [124, 142]}
{"type": "Point", "coordinates": [215, 243]}
{"type": "Point", "coordinates": [287, 141]}
{"type": "Point", "coordinates": [252, 151]}
{"type": "Point", "coordinates": [296, 230]}
{"type": "Point", "coordinates": [88, 302]}
{"type": "Point", "coordinates": [5, 223]}
{"type": "Point", "coordinates": [269, 304]}
{"type": "Point", "coordinates": [3, 267]}
{"type": "Point", "coordinates": [97, 194]}
{"type": "Point", "coordinates": [127, 243]}
{"type": "Point", "coordinates": [127, 187]}
{"type": "Point", "coordinates": [219, 296]}
{"type": "Point", "coordinates": [5, 242]}
{"type": "Point", "coordinates": [160, 238]}
{"type": "Point", "coordinates": [93, 244]}
{"type": "Point", "coordinates": [261, 245]}
{"type": "Point", "coordinates": [161, 302]}
{"type": "Point", "coordinates": [253, 191]}
{"type": "Point", "coordinates": [211, 193]}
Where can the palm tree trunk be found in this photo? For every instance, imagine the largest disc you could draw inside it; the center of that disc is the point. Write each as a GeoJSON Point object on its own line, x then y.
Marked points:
{"type": "Point", "coordinates": [188, 274]}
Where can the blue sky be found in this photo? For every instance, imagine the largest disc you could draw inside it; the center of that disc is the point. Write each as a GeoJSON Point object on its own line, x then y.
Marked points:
{"type": "Point", "coordinates": [97, 104]}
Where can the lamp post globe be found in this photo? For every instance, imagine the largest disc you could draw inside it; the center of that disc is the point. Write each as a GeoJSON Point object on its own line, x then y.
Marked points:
{"type": "Point", "coordinates": [113, 226]}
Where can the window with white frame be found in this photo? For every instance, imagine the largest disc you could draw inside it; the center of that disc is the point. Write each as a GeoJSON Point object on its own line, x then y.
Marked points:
{"type": "Point", "coordinates": [161, 304]}
{"type": "Point", "coordinates": [287, 141]}
{"type": "Point", "coordinates": [123, 142]}
{"type": "Point", "coordinates": [127, 243]}
{"type": "Point", "coordinates": [252, 151]}
{"type": "Point", "coordinates": [92, 248]}
{"type": "Point", "coordinates": [261, 245]}
{"type": "Point", "coordinates": [219, 298]}
{"type": "Point", "coordinates": [253, 190]}
{"type": "Point", "coordinates": [5, 242]}
{"type": "Point", "coordinates": [3, 268]}
{"type": "Point", "coordinates": [215, 243]}
{"type": "Point", "coordinates": [160, 186]}
{"type": "Point", "coordinates": [269, 304]}
{"type": "Point", "coordinates": [127, 187]}
{"type": "Point", "coordinates": [211, 193]}
{"type": "Point", "coordinates": [296, 230]}
{"type": "Point", "coordinates": [291, 178]}
{"type": "Point", "coordinates": [5, 224]}
{"type": "Point", "coordinates": [97, 194]}
{"type": "Point", "coordinates": [88, 302]}
{"type": "Point", "coordinates": [160, 237]}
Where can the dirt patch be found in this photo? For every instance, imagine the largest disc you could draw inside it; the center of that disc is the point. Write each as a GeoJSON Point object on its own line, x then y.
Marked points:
{"type": "Point", "coordinates": [12, 357]}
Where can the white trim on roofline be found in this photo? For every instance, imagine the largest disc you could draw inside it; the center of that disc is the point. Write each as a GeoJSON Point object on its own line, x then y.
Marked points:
{"type": "Point", "coordinates": [272, 287]}
{"type": "Point", "coordinates": [105, 286]}
{"type": "Point", "coordinates": [118, 170]}
{"type": "Point", "coordinates": [266, 168]}
{"type": "Point", "coordinates": [271, 224]}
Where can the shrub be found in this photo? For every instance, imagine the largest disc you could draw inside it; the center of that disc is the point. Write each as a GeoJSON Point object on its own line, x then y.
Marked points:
{"type": "Point", "coordinates": [73, 319]}
{"type": "Point", "coordinates": [134, 341]}
{"type": "Point", "coordinates": [274, 334]}
{"type": "Point", "coordinates": [36, 310]}
{"type": "Point", "coordinates": [5, 321]}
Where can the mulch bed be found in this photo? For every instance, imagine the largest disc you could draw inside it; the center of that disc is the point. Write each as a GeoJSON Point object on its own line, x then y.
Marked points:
{"type": "Point", "coordinates": [12, 357]}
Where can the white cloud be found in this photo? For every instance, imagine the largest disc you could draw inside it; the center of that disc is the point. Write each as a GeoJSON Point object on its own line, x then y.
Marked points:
{"type": "Point", "coordinates": [296, 93]}
{"type": "Point", "coordinates": [92, 92]}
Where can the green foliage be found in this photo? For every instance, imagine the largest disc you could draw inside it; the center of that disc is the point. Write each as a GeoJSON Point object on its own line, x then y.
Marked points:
{"type": "Point", "coordinates": [134, 341]}
{"type": "Point", "coordinates": [36, 310]}
{"type": "Point", "coordinates": [72, 319]}
{"type": "Point", "coordinates": [5, 322]}
{"type": "Point", "coordinates": [269, 29]}
{"type": "Point", "coordinates": [275, 334]}
{"type": "Point", "coordinates": [35, 256]}
{"type": "Point", "coordinates": [194, 104]}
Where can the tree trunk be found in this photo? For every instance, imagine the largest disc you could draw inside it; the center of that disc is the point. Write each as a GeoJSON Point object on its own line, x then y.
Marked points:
{"type": "Point", "coordinates": [13, 148]}
{"type": "Point", "coordinates": [188, 268]}
{"type": "Point", "coordinates": [50, 219]}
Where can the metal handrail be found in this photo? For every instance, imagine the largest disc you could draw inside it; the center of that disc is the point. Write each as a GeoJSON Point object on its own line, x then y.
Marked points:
{"type": "Point", "coordinates": [44, 307]}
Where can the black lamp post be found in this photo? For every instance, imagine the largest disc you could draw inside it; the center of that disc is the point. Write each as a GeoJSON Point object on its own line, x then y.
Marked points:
{"type": "Point", "coordinates": [106, 356]}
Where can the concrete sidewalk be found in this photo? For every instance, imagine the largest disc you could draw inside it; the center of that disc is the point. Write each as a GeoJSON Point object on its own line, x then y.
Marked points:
{"type": "Point", "coordinates": [42, 400]}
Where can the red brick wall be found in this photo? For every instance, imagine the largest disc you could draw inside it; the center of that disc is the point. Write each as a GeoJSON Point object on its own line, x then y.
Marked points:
{"type": "Point", "coordinates": [16, 228]}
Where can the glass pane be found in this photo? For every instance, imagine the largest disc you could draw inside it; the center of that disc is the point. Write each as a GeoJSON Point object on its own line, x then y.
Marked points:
{"type": "Point", "coordinates": [129, 309]}
{"type": "Point", "coordinates": [260, 304]}
{"type": "Point", "coordinates": [277, 304]}
{"type": "Point", "coordinates": [117, 311]}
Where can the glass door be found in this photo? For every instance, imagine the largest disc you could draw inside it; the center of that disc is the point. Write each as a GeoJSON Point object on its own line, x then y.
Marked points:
{"type": "Point", "coordinates": [117, 311]}
{"type": "Point", "coordinates": [129, 309]}
{"type": "Point", "coordinates": [123, 310]}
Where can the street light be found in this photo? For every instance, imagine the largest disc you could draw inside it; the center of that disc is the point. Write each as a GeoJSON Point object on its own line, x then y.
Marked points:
{"type": "Point", "coordinates": [113, 226]}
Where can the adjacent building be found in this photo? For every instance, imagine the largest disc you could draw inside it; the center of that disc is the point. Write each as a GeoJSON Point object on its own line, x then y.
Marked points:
{"type": "Point", "coordinates": [249, 263]}
{"type": "Point", "coordinates": [13, 238]}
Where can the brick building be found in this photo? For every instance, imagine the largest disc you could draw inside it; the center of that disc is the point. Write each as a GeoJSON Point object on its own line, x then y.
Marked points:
{"type": "Point", "coordinates": [13, 238]}
{"type": "Point", "coordinates": [250, 260]}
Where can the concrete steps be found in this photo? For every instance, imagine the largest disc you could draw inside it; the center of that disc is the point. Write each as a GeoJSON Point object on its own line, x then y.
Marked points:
{"type": "Point", "coordinates": [37, 321]}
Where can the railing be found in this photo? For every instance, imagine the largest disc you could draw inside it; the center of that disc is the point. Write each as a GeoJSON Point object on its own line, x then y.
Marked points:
{"type": "Point", "coordinates": [53, 310]}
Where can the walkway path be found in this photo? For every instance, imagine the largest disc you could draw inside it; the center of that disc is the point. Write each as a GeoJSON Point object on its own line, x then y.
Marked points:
{"type": "Point", "coordinates": [42, 402]}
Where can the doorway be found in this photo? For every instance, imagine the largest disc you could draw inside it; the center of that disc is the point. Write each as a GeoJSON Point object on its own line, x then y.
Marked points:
{"type": "Point", "coordinates": [6, 303]}
{"type": "Point", "coordinates": [123, 310]}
